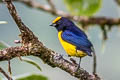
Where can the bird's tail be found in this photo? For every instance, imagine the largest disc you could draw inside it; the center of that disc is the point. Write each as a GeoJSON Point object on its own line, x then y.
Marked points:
{"type": "Point", "coordinates": [94, 61]}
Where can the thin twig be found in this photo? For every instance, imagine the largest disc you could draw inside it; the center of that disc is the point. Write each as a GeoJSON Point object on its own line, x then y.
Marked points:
{"type": "Point", "coordinates": [9, 67]}
{"type": "Point", "coordinates": [5, 74]}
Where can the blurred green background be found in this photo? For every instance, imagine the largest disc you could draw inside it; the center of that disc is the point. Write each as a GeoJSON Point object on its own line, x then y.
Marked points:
{"type": "Point", "coordinates": [108, 65]}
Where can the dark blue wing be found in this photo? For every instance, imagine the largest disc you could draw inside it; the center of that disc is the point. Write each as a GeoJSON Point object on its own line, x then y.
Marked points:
{"type": "Point", "coordinates": [78, 31]}
{"type": "Point", "coordinates": [81, 43]}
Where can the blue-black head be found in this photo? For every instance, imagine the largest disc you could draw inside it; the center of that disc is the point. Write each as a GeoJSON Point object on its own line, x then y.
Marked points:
{"type": "Point", "coordinates": [62, 23]}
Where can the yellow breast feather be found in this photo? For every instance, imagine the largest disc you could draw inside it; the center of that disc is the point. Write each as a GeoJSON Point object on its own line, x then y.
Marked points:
{"type": "Point", "coordinates": [69, 48]}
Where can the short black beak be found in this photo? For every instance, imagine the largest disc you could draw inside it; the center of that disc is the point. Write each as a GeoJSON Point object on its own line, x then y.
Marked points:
{"type": "Point", "coordinates": [53, 24]}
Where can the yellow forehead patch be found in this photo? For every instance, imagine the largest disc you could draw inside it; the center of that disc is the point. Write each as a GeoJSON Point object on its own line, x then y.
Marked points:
{"type": "Point", "coordinates": [57, 19]}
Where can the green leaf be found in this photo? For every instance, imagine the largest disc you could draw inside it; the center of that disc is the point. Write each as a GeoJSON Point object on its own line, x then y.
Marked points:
{"type": "Point", "coordinates": [31, 62]}
{"type": "Point", "coordinates": [83, 7]}
{"type": "Point", "coordinates": [2, 45]}
{"type": "Point", "coordinates": [33, 77]}
{"type": "Point", "coordinates": [3, 22]}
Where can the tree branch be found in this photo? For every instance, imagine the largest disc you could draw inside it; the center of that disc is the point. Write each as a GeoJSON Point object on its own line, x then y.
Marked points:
{"type": "Point", "coordinates": [50, 2]}
{"type": "Point", "coordinates": [32, 46]}
{"type": "Point", "coordinates": [27, 35]}
{"type": "Point", "coordinates": [48, 56]}
{"type": "Point", "coordinates": [81, 19]}
{"type": "Point", "coordinates": [104, 22]}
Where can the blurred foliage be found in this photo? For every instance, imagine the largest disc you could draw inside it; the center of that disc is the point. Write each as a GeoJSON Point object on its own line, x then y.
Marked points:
{"type": "Point", "coordinates": [33, 77]}
{"type": "Point", "coordinates": [118, 2]}
{"type": "Point", "coordinates": [31, 62]}
{"type": "Point", "coordinates": [2, 46]}
{"type": "Point", "coordinates": [3, 22]}
{"type": "Point", "coordinates": [83, 7]}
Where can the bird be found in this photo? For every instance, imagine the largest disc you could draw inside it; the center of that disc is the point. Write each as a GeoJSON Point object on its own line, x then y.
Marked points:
{"type": "Point", "coordinates": [74, 41]}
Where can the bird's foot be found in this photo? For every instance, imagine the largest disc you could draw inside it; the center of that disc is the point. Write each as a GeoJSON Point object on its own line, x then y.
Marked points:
{"type": "Point", "coordinates": [73, 61]}
{"type": "Point", "coordinates": [78, 67]}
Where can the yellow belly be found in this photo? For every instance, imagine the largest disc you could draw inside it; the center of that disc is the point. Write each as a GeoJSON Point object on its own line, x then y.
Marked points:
{"type": "Point", "coordinates": [69, 48]}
